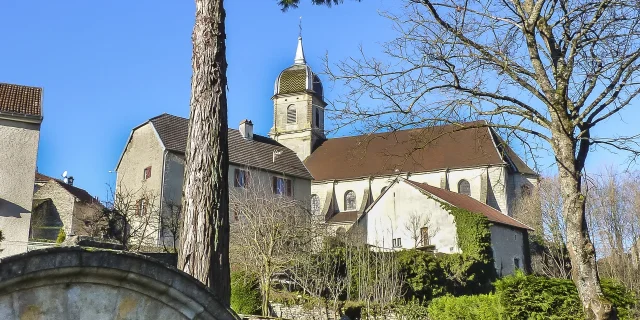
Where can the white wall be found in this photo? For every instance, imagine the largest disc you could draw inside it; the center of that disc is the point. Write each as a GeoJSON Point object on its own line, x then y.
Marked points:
{"type": "Point", "coordinates": [18, 153]}
{"type": "Point", "coordinates": [387, 219]}
{"type": "Point", "coordinates": [507, 244]}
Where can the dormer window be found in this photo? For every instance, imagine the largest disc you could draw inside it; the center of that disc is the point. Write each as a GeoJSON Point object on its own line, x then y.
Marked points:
{"type": "Point", "coordinates": [291, 114]}
{"type": "Point", "coordinates": [147, 173]}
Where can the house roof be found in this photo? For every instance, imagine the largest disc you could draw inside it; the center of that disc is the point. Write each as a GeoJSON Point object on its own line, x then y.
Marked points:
{"type": "Point", "coordinates": [344, 216]}
{"type": "Point", "coordinates": [79, 193]}
{"type": "Point", "coordinates": [258, 153]}
{"type": "Point", "coordinates": [465, 202]}
{"type": "Point", "coordinates": [20, 100]}
{"type": "Point", "coordinates": [413, 150]}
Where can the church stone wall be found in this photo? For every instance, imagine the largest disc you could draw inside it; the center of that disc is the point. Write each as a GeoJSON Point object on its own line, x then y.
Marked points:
{"type": "Point", "coordinates": [18, 152]}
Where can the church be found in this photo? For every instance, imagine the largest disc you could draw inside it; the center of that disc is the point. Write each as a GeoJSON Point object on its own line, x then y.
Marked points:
{"type": "Point", "coordinates": [351, 174]}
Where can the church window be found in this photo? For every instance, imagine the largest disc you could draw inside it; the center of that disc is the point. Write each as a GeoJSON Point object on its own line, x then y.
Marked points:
{"type": "Point", "coordinates": [464, 187]}
{"type": "Point", "coordinates": [291, 114]}
{"type": "Point", "coordinates": [317, 118]}
{"type": "Point", "coordinates": [349, 200]}
{"type": "Point", "coordinates": [315, 204]}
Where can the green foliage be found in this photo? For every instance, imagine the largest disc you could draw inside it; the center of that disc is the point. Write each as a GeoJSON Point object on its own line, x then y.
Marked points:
{"type": "Point", "coordinates": [61, 236]}
{"type": "Point", "coordinates": [478, 307]}
{"type": "Point", "coordinates": [535, 297]}
{"type": "Point", "coordinates": [412, 310]}
{"type": "Point", "coordinates": [474, 234]}
{"type": "Point", "coordinates": [424, 278]}
{"type": "Point", "coordinates": [466, 274]}
{"type": "Point", "coordinates": [245, 293]}
{"type": "Point", "coordinates": [620, 296]}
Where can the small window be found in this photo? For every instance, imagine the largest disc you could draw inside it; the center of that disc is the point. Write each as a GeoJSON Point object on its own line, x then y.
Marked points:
{"type": "Point", "coordinates": [397, 242]}
{"type": "Point", "coordinates": [291, 114]}
{"type": "Point", "coordinates": [315, 204]}
{"type": "Point", "coordinates": [147, 173]}
{"type": "Point", "coordinates": [349, 200]}
{"type": "Point", "coordinates": [424, 236]}
{"type": "Point", "coordinates": [464, 187]}
{"type": "Point", "coordinates": [282, 186]}
{"type": "Point", "coordinates": [317, 118]}
{"type": "Point", "coordinates": [525, 190]}
{"type": "Point", "coordinates": [141, 207]}
{"type": "Point", "coordinates": [516, 263]}
{"type": "Point", "coordinates": [241, 178]}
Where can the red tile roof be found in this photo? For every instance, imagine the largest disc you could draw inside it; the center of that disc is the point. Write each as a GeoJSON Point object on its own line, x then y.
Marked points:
{"type": "Point", "coordinates": [23, 100]}
{"type": "Point", "coordinates": [471, 204]}
{"type": "Point", "coordinates": [414, 150]}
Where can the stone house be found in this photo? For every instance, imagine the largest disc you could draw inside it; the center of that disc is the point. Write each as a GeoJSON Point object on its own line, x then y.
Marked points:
{"type": "Point", "coordinates": [409, 215]}
{"type": "Point", "coordinates": [152, 167]}
{"type": "Point", "coordinates": [20, 120]}
{"type": "Point", "coordinates": [57, 205]}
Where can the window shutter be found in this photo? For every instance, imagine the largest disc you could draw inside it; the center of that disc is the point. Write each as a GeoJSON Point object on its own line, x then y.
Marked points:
{"type": "Point", "coordinates": [289, 188]}
{"type": "Point", "coordinates": [274, 186]}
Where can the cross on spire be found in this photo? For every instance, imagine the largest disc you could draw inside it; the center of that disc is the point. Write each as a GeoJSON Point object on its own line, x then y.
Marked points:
{"type": "Point", "coordinates": [299, 51]}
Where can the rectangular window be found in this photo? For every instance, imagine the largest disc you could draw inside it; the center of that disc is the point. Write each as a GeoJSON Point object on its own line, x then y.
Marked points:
{"type": "Point", "coordinates": [424, 236]}
{"type": "Point", "coordinates": [396, 242]}
{"type": "Point", "coordinates": [241, 178]}
{"type": "Point", "coordinates": [516, 263]}
{"type": "Point", "coordinates": [147, 173]}
{"type": "Point", "coordinates": [141, 207]}
{"type": "Point", "coordinates": [282, 186]}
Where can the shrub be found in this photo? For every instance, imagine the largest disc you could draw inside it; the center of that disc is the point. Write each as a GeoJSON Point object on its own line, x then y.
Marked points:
{"type": "Point", "coordinates": [478, 307]}
{"type": "Point", "coordinates": [61, 236]}
{"type": "Point", "coordinates": [412, 310]}
{"type": "Point", "coordinates": [535, 297]}
{"type": "Point", "coordinates": [245, 293]}
{"type": "Point", "coordinates": [423, 276]}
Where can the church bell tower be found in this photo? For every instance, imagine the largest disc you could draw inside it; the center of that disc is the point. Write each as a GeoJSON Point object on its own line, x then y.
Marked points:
{"type": "Point", "coordinates": [298, 107]}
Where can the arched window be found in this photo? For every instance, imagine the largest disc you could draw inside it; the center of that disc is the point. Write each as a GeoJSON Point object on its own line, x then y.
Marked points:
{"type": "Point", "coordinates": [315, 204]}
{"type": "Point", "coordinates": [464, 187]}
{"type": "Point", "coordinates": [349, 200]}
{"type": "Point", "coordinates": [291, 114]}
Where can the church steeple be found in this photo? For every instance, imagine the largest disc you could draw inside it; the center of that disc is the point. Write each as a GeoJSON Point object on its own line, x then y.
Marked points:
{"type": "Point", "coordinates": [298, 107]}
{"type": "Point", "coordinates": [299, 53]}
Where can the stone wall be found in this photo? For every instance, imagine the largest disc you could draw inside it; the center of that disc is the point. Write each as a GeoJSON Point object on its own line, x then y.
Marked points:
{"type": "Point", "coordinates": [73, 283]}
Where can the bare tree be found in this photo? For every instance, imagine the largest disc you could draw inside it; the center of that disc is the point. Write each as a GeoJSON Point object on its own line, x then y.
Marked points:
{"type": "Point", "coordinates": [543, 71]}
{"type": "Point", "coordinates": [420, 228]}
{"type": "Point", "coordinates": [269, 232]}
{"type": "Point", "coordinates": [170, 224]}
{"type": "Point", "coordinates": [542, 210]}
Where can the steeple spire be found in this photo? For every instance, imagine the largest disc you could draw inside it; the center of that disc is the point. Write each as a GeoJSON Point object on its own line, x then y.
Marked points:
{"type": "Point", "coordinates": [300, 52]}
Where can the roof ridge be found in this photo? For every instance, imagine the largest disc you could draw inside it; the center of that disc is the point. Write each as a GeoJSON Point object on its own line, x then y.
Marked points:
{"type": "Point", "coordinates": [412, 129]}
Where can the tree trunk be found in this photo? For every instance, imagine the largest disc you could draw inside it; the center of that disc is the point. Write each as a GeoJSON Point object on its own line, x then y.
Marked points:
{"type": "Point", "coordinates": [265, 287]}
{"type": "Point", "coordinates": [204, 238]}
{"type": "Point", "coordinates": [581, 250]}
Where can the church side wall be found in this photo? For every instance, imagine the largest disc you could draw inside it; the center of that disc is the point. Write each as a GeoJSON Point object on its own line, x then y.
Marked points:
{"type": "Point", "coordinates": [507, 244]}
{"type": "Point", "coordinates": [18, 152]}
{"type": "Point", "coordinates": [497, 195]}
{"type": "Point", "coordinates": [388, 219]}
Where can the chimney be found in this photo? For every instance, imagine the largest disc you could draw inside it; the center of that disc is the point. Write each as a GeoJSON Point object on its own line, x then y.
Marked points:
{"type": "Point", "coordinates": [246, 129]}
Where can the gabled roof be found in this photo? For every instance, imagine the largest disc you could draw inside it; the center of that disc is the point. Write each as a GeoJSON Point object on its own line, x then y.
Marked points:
{"type": "Point", "coordinates": [468, 203]}
{"type": "Point", "coordinates": [79, 193]}
{"type": "Point", "coordinates": [173, 132]}
{"type": "Point", "coordinates": [413, 150]}
{"type": "Point", "coordinates": [344, 216]}
{"type": "Point", "coordinates": [20, 100]}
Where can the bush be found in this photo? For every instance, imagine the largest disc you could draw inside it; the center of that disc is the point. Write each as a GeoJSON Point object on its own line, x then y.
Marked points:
{"type": "Point", "coordinates": [423, 277]}
{"type": "Point", "coordinates": [412, 310]}
{"type": "Point", "coordinates": [61, 236]}
{"type": "Point", "coordinates": [478, 307]}
{"type": "Point", "coordinates": [535, 297]}
{"type": "Point", "coordinates": [245, 293]}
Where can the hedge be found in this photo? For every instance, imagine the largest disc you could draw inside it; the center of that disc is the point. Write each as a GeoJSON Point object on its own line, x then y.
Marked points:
{"type": "Point", "coordinates": [245, 293]}
{"type": "Point", "coordinates": [478, 307]}
{"type": "Point", "coordinates": [529, 297]}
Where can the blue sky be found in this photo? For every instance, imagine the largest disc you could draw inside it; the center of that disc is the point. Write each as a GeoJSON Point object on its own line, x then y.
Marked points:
{"type": "Point", "coordinates": [108, 66]}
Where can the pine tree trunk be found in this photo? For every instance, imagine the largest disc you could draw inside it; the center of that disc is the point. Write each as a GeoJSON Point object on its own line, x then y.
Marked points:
{"type": "Point", "coordinates": [204, 238]}
{"type": "Point", "coordinates": [581, 250]}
